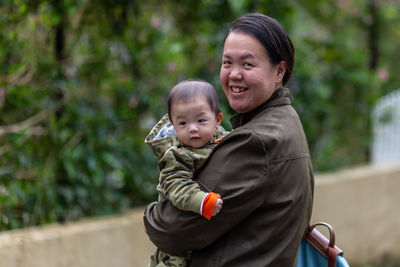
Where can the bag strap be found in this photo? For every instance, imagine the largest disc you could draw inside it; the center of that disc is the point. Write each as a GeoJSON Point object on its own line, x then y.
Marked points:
{"type": "Point", "coordinates": [322, 244]}
{"type": "Point", "coordinates": [332, 256]}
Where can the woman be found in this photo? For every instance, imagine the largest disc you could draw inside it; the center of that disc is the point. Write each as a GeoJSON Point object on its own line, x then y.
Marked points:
{"type": "Point", "coordinates": [262, 169]}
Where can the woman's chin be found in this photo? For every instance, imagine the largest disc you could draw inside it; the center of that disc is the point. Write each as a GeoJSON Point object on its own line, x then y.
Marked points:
{"type": "Point", "coordinates": [239, 108]}
{"type": "Point", "coordinates": [239, 104]}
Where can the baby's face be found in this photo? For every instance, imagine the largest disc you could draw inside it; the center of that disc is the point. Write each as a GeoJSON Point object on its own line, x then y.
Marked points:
{"type": "Point", "coordinates": [194, 121]}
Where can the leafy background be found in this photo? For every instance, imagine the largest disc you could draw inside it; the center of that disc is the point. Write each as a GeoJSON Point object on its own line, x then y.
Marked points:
{"type": "Point", "coordinates": [82, 82]}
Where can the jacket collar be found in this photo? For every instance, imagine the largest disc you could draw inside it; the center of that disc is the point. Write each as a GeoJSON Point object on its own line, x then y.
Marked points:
{"type": "Point", "coordinates": [280, 97]}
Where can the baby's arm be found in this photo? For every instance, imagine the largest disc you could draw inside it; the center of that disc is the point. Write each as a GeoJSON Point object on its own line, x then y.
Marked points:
{"type": "Point", "coordinates": [218, 206]}
{"type": "Point", "coordinates": [211, 205]}
{"type": "Point", "coordinates": [177, 185]}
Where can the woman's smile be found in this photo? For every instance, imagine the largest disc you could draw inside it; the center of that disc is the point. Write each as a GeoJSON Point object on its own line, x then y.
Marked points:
{"type": "Point", "coordinates": [238, 89]}
{"type": "Point", "coordinates": [247, 75]}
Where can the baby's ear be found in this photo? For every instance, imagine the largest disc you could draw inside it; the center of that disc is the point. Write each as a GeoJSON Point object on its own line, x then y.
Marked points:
{"type": "Point", "coordinates": [219, 119]}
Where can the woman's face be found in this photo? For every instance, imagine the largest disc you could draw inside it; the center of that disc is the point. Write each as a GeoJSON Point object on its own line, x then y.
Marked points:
{"type": "Point", "coordinates": [247, 74]}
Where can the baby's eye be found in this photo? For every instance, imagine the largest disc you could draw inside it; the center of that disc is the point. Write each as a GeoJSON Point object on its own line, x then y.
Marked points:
{"type": "Point", "coordinates": [182, 123]}
{"type": "Point", "coordinates": [202, 120]}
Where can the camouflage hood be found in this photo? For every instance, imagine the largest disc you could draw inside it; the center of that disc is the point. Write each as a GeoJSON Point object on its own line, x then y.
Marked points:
{"type": "Point", "coordinates": [163, 136]}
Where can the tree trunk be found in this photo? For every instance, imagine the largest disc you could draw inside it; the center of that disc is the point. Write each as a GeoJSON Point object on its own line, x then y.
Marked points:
{"type": "Point", "coordinates": [373, 35]}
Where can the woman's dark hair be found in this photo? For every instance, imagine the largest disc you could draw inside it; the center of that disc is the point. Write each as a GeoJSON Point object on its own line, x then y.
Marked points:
{"type": "Point", "coordinates": [190, 89]}
{"type": "Point", "coordinates": [271, 35]}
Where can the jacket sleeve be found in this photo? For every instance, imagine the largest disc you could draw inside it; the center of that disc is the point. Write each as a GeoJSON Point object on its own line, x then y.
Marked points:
{"type": "Point", "coordinates": [236, 170]}
{"type": "Point", "coordinates": [176, 180]}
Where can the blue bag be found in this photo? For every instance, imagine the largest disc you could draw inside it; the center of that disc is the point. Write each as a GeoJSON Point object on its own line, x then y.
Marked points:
{"type": "Point", "coordinates": [317, 251]}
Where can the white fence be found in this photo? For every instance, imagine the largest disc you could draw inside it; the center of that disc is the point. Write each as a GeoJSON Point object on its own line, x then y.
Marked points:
{"type": "Point", "coordinates": [386, 129]}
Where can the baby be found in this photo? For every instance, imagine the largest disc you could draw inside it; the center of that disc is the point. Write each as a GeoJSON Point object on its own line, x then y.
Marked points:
{"type": "Point", "coordinates": [182, 141]}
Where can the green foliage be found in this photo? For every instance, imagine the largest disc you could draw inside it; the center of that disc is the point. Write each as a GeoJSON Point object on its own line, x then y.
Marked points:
{"type": "Point", "coordinates": [82, 82]}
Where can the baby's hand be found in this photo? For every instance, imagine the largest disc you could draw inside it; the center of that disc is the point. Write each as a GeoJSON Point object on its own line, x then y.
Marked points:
{"type": "Point", "coordinates": [218, 206]}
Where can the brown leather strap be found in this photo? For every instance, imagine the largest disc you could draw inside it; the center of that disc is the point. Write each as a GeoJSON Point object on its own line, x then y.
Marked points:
{"type": "Point", "coordinates": [322, 244]}
{"type": "Point", "coordinates": [332, 256]}
{"type": "Point", "coordinates": [331, 232]}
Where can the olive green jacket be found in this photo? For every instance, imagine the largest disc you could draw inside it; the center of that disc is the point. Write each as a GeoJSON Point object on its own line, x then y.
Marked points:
{"type": "Point", "coordinates": [263, 171]}
{"type": "Point", "coordinates": [177, 164]}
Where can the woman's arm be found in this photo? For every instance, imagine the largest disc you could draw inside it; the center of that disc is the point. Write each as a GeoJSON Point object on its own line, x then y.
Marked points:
{"type": "Point", "coordinates": [236, 170]}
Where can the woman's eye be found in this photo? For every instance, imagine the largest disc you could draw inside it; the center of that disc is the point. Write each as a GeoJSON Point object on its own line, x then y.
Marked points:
{"type": "Point", "coordinates": [247, 64]}
{"type": "Point", "coordinates": [226, 62]}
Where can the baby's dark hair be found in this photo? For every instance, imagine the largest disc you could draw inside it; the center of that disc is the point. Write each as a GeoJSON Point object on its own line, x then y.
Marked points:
{"type": "Point", "coordinates": [190, 89]}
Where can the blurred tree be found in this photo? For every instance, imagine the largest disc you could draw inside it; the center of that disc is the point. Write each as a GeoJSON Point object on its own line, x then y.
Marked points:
{"type": "Point", "coordinates": [82, 82]}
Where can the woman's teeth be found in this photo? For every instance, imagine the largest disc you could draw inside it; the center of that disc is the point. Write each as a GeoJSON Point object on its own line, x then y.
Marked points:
{"type": "Point", "coordinates": [238, 89]}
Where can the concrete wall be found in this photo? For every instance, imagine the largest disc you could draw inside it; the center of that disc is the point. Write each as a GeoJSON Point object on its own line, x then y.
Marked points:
{"type": "Point", "coordinates": [104, 242]}
{"type": "Point", "coordinates": [360, 203]}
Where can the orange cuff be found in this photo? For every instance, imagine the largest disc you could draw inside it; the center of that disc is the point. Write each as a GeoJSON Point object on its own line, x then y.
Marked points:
{"type": "Point", "coordinates": [209, 204]}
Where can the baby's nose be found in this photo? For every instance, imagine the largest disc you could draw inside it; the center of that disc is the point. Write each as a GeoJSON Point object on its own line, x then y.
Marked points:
{"type": "Point", "coordinates": [193, 128]}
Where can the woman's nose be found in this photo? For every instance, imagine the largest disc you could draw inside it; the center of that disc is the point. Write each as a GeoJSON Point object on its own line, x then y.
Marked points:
{"type": "Point", "coordinates": [236, 74]}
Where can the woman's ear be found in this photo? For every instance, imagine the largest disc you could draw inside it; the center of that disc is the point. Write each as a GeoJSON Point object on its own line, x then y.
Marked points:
{"type": "Point", "coordinates": [219, 119]}
{"type": "Point", "coordinates": [281, 70]}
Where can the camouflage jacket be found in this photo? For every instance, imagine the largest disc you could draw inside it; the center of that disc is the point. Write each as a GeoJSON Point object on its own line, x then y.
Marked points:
{"type": "Point", "coordinates": [177, 164]}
